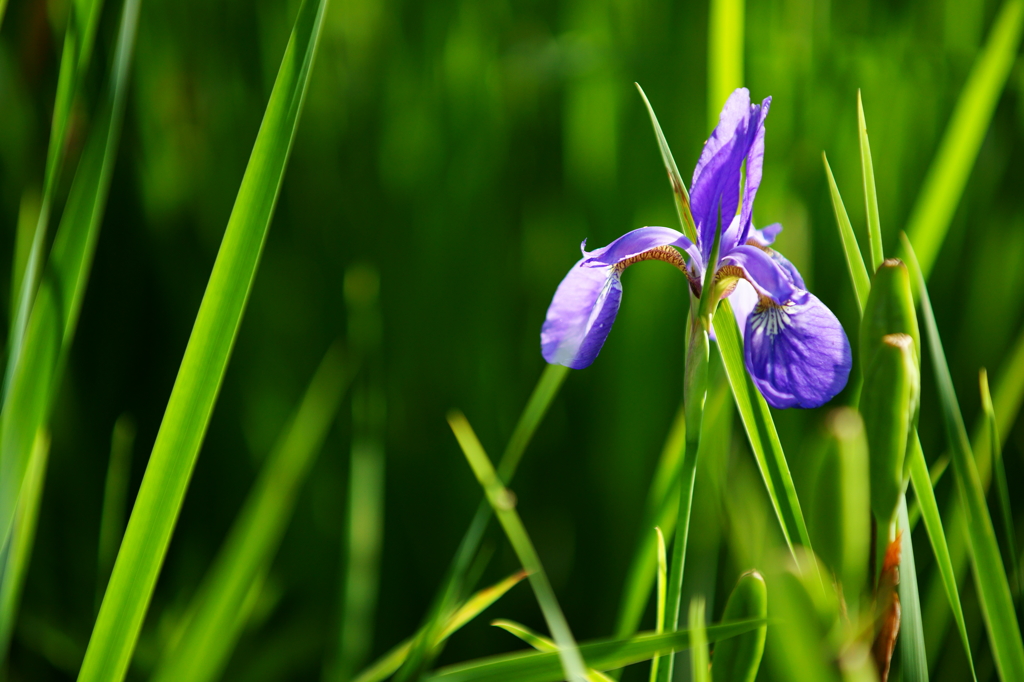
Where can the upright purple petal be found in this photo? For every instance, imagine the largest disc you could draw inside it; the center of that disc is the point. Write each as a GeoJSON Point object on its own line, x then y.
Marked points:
{"type": "Point", "coordinates": [715, 190]}
{"type": "Point", "coordinates": [755, 161]}
{"type": "Point", "coordinates": [580, 316]}
{"type": "Point", "coordinates": [797, 354]}
{"type": "Point", "coordinates": [636, 242]}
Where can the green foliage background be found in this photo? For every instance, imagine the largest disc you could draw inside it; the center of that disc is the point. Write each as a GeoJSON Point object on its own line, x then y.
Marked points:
{"type": "Point", "coordinates": [464, 149]}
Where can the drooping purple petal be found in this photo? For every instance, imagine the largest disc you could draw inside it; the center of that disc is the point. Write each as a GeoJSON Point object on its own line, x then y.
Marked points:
{"type": "Point", "coordinates": [580, 315]}
{"type": "Point", "coordinates": [797, 354]}
{"type": "Point", "coordinates": [755, 162]}
{"type": "Point", "coordinates": [636, 242]}
{"type": "Point", "coordinates": [767, 274]}
{"type": "Point", "coordinates": [789, 268]}
{"type": "Point", "coordinates": [715, 190]}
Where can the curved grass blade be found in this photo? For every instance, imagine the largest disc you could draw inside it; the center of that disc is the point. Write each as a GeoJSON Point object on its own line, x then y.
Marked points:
{"type": "Point", "coordinates": [682, 197]}
{"type": "Point", "coordinates": [202, 369]}
{"type": "Point", "coordinates": [993, 587]}
{"type": "Point", "coordinates": [387, 664]}
{"type": "Point", "coordinates": [115, 499]}
{"type": "Point", "coordinates": [503, 503]}
{"type": "Point", "coordinates": [699, 664]}
{"type": "Point", "coordinates": [19, 551]}
{"type": "Point", "coordinates": [1002, 491]}
{"type": "Point", "coordinates": [936, 204]}
{"type": "Point", "coordinates": [54, 316]}
{"type": "Point", "coordinates": [423, 648]}
{"type": "Point", "coordinates": [854, 259]}
{"type": "Point", "coordinates": [870, 194]}
{"type": "Point", "coordinates": [761, 433]}
{"type": "Point", "coordinates": [923, 484]}
{"type": "Point", "coordinates": [217, 613]}
{"type": "Point", "coordinates": [542, 643]}
{"type": "Point", "coordinates": [605, 654]}
{"type": "Point", "coordinates": [659, 625]}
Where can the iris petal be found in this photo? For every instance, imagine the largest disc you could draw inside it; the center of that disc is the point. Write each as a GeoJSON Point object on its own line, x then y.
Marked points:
{"type": "Point", "coordinates": [766, 235]}
{"type": "Point", "coordinates": [768, 275]}
{"type": "Point", "coordinates": [755, 162]}
{"type": "Point", "coordinates": [636, 242]}
{"type": "Point", "coordinates": [797, 354]}
{"type": "Point", "coordinates": [580, 316]}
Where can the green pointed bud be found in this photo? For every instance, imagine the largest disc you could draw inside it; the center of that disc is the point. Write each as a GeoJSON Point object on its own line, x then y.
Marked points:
{"type": "Point", "coordinates": [888, 403]}
{"type": "Point", "coordinates": [889, 310]}
{"type": "Point", "coordinates": [738, 659]}
{"type": "Point", "coordinates": [839, 525]}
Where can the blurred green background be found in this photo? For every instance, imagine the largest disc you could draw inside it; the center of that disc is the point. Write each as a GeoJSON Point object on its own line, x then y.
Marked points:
{"type": "Point", "coordinates": [462, 150]}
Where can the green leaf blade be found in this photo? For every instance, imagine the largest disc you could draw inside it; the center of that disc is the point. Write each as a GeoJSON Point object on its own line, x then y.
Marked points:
{"type": "Point", "coordinates": [854, 259]}
{"type": "Point", "coordinates": [870, 193]}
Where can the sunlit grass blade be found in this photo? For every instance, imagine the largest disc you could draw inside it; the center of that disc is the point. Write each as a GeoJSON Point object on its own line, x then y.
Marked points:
{"type": "Point", "coordinates": [217, 612]}
{"type": "Point", "coordinates": [659, 624]}
{"type": "Point", "coordinates": [921, 480]}
{"type": "Point", "coordinates": [18, 553]}
{"type": "Point", "coordinates": [1007, 401]}
{"type": "Point", "coordinates": [202, 369]}
{"type": "Point", "coordinates": [870, 194]}
{"type": "Point", "coordinates": [682, 197]}
{"type": "Point", "coordinates": [387, 664]}
{"type": "Point", "coordinates": [725, 53]}
{"type": "Point", "coordinates": [542, 643]}
{"type": "Point", "coordinates": [607, 654]}
{"type": "Point", "coordinates": [79, 38]}
{"type": "Point", "coordinates": [1002, 491]}
{"type": "Point", "coordinates": [911, 637]}
{"type": "Point", "coordinates": [54, 314]}
{"type": "Point", "coordinates": [115, 500]}
{"type": "Point", "coordinates": [423, 649]}
{"type": "Point", "coordinates": [699, 645]}
{"type": "Point", "coordinates": [503, 503]}
{"type": "Point", "coordinates": [854, 258]}
{"type": "Point", "coordinates": [760, 429]}
{"type": "Point", "coordinates": [937, 201]}
{"type": "Point", "coordinates": [990, 579]}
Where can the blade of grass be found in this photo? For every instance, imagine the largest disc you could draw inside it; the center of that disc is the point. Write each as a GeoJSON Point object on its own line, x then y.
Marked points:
{"type": "Point", "coordinates": [503, 503]}
{"type": "Point", "coordinates": [990, 579]}
{"type": "Point", "coordinates": [659, 626]}
{"type": "Point", "coordinates": [936, 203]}
{"type": "Point", "coordinates": [606, 654]}
{"type": "Point", "coordinates": [699, 664]}
{"type": "Point", "coordinates": [79, 38]}
{"type": "Point", "coordinates": [760, 429]}
{"type": "Point", "coordinates": [911, 635]}
{"type": "Point", "coordinates": [19, 551]}
{"type": "Point", "coordinates": [725, 53]}
{"type": "Point", "coordinates": [115, 499]}
{"type": "Point", "coordinates": [542, 643]}
{"type": "Point", "coordinates": [870, 194]}
{"type": "Point", "coordinates": [854, 259]}
{"type": "Point", "coordinates": [682, 197]}
{"type": "Point", "coordinates": [202, 369]}
{"type": "Point", "coordinates": [387, 664]}
{"type": "Point", "coordinates": [216, 615]}
{"type": "Point", "coordinates": [453, 585]}
{"type": "Point", "coordinates": [923, 488]}
{"type": "Point", "coordinates": [1002, 491]}
{"type": "Point", "coordinates": [54, 316]}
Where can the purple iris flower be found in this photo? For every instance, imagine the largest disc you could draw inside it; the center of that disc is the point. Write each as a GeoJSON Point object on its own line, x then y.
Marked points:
{"type": "Point", "coordinates": [794, 347]}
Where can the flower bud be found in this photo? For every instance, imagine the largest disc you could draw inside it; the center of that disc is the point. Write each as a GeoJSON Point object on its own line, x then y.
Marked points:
{"type": "Point", "coordinates": [840, 526]}
{"type": "Point", "coordinates": [892, 385]}
{"type": "Point", "coordinates": [889, 310]}
{"type": "Point", "coordinates": [737, 659]}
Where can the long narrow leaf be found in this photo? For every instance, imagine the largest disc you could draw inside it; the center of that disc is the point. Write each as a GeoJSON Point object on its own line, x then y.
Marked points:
{"type": "Point", "coordinates": [202, 369]}
{"type": "Point", "coordinates": [854, 258]}
{"type": "Point", "coordinates": [542, 643]}
{"type": "Point", "coordinates": [217, 614]}
{"type": "Point", "coordinates": [911, 633]}
{"type": "Point", "coordinates": [870, 193]}
{"type": "Point", "coordinates": [1002, 491]}
{"type": "Point", "coordinates": [990, 579]}
{"type": "Point", "coordinates": [504, 507]}
{"type": "Point", "coordinates": [607, 654]}
{"type": "Point", "coordinates": [936, 204]}
{"type": "Point", "coordinates": [921, 480]}
{"type": "Point", "coordinates": [725, 53]}
{"type": "Point", "coordinates": [761, 433]}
